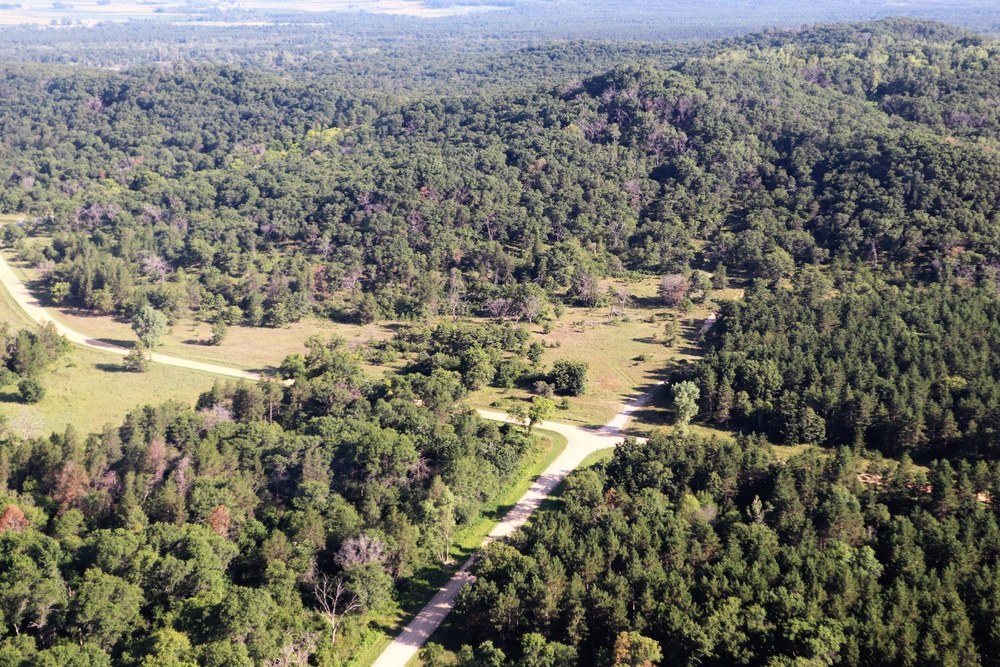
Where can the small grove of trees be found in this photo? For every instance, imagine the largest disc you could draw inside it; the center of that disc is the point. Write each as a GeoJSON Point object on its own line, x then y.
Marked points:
{"type": "Point", "coordinates": [26, 355]}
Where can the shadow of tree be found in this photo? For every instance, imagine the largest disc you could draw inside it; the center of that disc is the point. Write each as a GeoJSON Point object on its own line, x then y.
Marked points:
{"type": "Point", "coordinates": [112, 368]}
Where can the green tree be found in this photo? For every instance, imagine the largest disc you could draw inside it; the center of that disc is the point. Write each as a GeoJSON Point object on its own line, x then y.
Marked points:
{"type": "Point", "coordinates": [60, 292]}
{"type": "Point", "coordinates": [439, 513]}
{"type": "Point", "coordinates": [219, 332]}
{"type": "Point", "coordinates": [569, 377]}
{"type": "Point", "coordinates": [686, 396]}
{"type": "Point", "coordinates": [149, 325]}
{"type": "Point", "coordinates": [137, 359]}
{"type": "Point", "coordinates": [105, 608]}
{"type": "Point", "coordinates": [541, 409]}
{"type": "Point", "coordinates": [634, 650]}
{"type": "Point", "coordinates": [31, 390]}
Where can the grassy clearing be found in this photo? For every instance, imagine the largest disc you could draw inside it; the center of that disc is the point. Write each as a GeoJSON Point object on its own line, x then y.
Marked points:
{"type": "Point", "coordinates": [87, 388]}
{"type": "Point", "coordinates": [466, 542]}
{"type": "Point", "coordinates": [626, 354]}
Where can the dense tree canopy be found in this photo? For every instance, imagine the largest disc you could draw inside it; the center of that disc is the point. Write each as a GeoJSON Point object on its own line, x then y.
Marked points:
{"type": "Point", "coordinates": [206, 536]}
{"type": "Point", "coordinates": [273, 198]}
{"type": "Point", "coordinates": [910, 369]}
{"type": "Point", "coordinates": [715, 553]}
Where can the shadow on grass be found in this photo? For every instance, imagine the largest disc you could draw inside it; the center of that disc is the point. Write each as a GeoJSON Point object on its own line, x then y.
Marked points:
{"type": "Point", "coordinates": [196, 341]}
{"type": "Point", "coordinates": [73, 311]}
{"type": "Point", "coordinates": [112, 368]}
{"type": "Point", "coordinates": [127, 344]}
{"type": "Point", "coordinates": [265, 371]}
{"type": "Point", "coordinates": [11, 397]}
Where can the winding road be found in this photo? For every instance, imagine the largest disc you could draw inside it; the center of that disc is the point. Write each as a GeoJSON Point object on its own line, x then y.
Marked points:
{"type": "Point", "coordinates": [581, 443]}
{"type": "Point", "coordinates": [30, 305]}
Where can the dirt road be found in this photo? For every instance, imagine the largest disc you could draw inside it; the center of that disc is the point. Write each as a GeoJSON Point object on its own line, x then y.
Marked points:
{"type": "Point", "coordinates": [581, 443]}
{"type": "Point", "coordinates": [35, 311]}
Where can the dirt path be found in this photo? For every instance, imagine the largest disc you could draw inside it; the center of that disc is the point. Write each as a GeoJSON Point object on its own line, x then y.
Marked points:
{"type": "Point", "coordinates": [581, 443]}
{"type": "Point", "coordinates": [35, 311]}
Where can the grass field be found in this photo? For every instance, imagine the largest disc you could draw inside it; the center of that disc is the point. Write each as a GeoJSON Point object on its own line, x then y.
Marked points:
{"type": "Point", "coordinates": [625, 352]}
{"type": "Point", "coordinates": [626, 355]}
{"type": "Point", "coordinates": [87, 388]}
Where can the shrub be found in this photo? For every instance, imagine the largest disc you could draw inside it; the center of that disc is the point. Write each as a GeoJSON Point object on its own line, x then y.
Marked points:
{"type": "Point", "coordinates": [219, 332]}
{"type": "Point", "coordinates": [137, 360]}
{"type": "Point", "coordinates": [31, 390]}
{"type": "Point", "coordinates": [544, 389]}
{"type": "Point", "coordinates": [569, 377]}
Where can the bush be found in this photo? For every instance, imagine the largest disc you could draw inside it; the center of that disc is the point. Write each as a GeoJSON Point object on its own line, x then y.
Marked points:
{"type": "Point", "coordinates": [544, 389]}
{"type": "Point", "coordinates": [569, 377]}
{"type": "Point", "coordinates": [219, 332]}
{"type": "Point", "coordinates": [137, 360]}
{"type": "Point", "coordinates": [31, 390]}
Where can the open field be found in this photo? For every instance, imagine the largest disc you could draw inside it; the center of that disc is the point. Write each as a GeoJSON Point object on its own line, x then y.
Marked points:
{"type": "Point", "coordinates": [626, 353]}
{"type": "Point", "coordinates": [88, 389]}
{"type": "Point", "coordinates": [89, 12]}
{"type": "Point", "coordinates": [627, 356]}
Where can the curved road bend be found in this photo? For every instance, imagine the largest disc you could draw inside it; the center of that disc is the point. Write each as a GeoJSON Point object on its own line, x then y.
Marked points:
{"type": "Point", "coordinates": [580, 444]}
{"type": "Point", "coordinates": [35, 311]}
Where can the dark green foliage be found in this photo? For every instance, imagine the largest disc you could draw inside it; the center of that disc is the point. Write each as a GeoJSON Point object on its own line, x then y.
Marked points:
{"type": "Point", "coordinates": [717, 554]}
{"type": "Point", "coordinates": [569, 377]}
{"type": "Point", "coordinates": [201, 534]}
{"type": "Point", "coordinates": [31, 390]}
{"type": "Point", "coordinates": [895, 369]}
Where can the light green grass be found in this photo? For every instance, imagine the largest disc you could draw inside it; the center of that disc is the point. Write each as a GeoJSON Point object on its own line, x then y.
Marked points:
{"type": "Point", "coordinates": [598, 457]}
{"type": "Point", "coordinates": [86, 388]}
{"type": "Point", "coordinates": [625, 354]}
{"type": "Point", "coordinates": [89, 389]}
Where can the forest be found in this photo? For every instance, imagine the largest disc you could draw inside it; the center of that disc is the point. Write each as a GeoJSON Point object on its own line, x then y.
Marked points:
{"type": "Point", "coordinates": [823, 495]}
{"type": "Point", "coordinates": [857, 144]}
{"type": "Point", "coordinates": [206, 536]}
{"type": "Point", "coordinates": [687, 551]}
{"type": "Point", "coordinates": [874, 367]}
